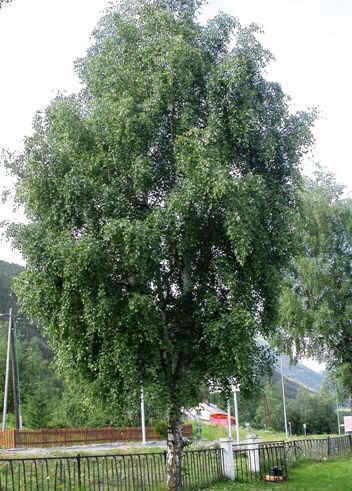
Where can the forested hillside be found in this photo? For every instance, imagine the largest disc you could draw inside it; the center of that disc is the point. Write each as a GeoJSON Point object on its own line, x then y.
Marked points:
{"type": "Point", "coordinates": [51, 400]}
{"type": "Point", "coordinates": [48, 398]}
{"type": "Point", "coordinates": [7, 272]}
{"type": "Point", "coordinates": [300, 373]}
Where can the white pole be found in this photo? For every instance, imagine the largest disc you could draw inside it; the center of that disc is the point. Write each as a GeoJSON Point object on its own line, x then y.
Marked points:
{"type": "Point", "coordinates": [7, 372]}
{"type": "Point", "coordinates": [229, 420]}
{"type": "Point", "coordinates": [283, 398]}
{"type": "Point", "coordinates": [236, 415]}
{"type": "Point", "coordinates": [338, 414]}
{"type": "Point", "coordinates": [144, 440]}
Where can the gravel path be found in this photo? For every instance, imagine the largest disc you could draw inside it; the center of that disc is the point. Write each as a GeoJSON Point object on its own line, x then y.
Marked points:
{"type": "Point", "coordinates": [94, 449]}
{"type": "Point", "coordinates": [97, 447]}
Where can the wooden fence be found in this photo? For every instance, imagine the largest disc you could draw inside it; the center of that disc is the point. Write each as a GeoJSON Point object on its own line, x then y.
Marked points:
{"type": "Point", "coordinates": [77, 436]}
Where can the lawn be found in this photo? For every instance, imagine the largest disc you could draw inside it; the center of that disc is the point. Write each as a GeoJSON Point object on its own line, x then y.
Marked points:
{"type": "Point", "coordinates": [332, 474]}
{"type": "Point", "coordinates": [214, 432]}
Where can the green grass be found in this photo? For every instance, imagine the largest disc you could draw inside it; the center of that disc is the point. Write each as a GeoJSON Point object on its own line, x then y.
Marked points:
{"type": "Point", "coordinates": [332, 474]}
{"type": "Point", "coordinates": [211, 431]}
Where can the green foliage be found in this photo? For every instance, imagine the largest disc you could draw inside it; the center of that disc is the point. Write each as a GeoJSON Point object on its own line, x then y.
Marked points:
{"type": "Point", "coordinates": [316, 410]}
{"type": "Point", "coordinates": [37, 409]}
{"type": "Point", "coordinates": [315, 302]}
{"type": "Point", "coordinates": [7, 273]}
{"type": "Point", "coordinates": [161, 427]}
{"type": "Point", "coordinates": [47, 399]}
{"type": "Point", "coordinates": [159, 203]}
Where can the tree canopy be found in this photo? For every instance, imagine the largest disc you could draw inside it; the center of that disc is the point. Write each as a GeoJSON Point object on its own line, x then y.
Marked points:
{"type": "Point", "coordinates": [159, 202]}
{"type": "Point", "coordinates": [315, 308]}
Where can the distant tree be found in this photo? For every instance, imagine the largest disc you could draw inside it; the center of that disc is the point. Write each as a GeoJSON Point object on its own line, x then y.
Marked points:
{"type": "Point", "coordinates": [316, 300]}
{"type": "Point", "coordinates": [316, 410]}
{"type": "Point", "coordinates": [159, 203]}
{"type": "Point", "coordinates": [37, 410]}
{"type": "Point", "coordinates": [7, 272]}
{"type": "Point", "coordinates": [269, 412]}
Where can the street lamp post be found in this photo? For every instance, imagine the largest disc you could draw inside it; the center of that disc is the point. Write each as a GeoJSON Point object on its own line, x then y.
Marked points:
{"type": "Point", "coordinates": [283, 398]}
{"type": "Point", "coordinates": [236, 389]}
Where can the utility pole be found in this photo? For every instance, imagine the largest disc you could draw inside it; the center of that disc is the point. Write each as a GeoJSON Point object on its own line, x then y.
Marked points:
{"type": "Point", "coordinates": [236, 389]}
{"type": "Point", "coordinates": [16, 399]}
{"type": "Point", "coordinates": [268, 419]}
{"type": "Point", "coordinates": [338, 414]}
{"type": "Point", "coordinates": [144, 440]}
{"type": "Point", "coordinates": [11, 357]}
{"type": "Point", "coordinates": [7, 369]}
{"type": "Point", "coordinates": [283, 398]}
{"type": "Point", "coordinates": [229, 420]}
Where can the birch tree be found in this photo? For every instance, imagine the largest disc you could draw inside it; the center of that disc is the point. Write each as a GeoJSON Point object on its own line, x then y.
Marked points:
{"type": "Point", "coordinates": [159, 203]}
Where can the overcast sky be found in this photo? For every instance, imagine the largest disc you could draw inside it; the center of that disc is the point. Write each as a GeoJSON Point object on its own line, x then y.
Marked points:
{"type": "Point", "coordinates": [310, 39]}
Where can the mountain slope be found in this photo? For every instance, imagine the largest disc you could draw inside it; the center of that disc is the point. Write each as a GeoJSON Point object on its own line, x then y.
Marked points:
{"type": "Point", "coordinates": [300, 373]}
{"type": "Point", "coordinates": [7, 272]}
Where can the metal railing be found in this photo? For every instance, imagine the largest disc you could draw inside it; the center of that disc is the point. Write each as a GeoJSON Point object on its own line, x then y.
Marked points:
{"type": "Point", "coordinates": [267, 459]}
{"type": "Point", "coordinates": [109, 472]}
{"type": "Point", "coordinates": [318, 448]}
{"type": "Point", "coordinates": [147, 471]}
{"type": "Point", "coordinates": [256, 462]}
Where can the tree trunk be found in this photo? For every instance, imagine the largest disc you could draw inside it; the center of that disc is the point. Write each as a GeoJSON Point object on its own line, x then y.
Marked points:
{"type": "Point", "coordinates": [174, 450]}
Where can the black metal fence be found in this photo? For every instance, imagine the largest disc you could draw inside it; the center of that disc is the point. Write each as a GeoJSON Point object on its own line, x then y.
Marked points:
{"type": "Point", "coordinates": [270, 460]}
{"type": "Point", "coordinates": [147, 471]}
{"type": "Point", "coordinates": [114, 472]}
{"type": "Point", "coordinates": [318, 448]}
{"type": "Point", "coordinates": [262, 461]}
{"type": "Point", "coordinates": [202, 468]}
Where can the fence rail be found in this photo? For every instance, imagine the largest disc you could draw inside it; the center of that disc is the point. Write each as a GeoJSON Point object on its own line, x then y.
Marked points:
{"type": "Point", "coordinates": [147, 471]}
{"type": "Point", "coordinates": [116, 472]}
{"type": "Point", "coordinates": [270, 460]}
{"type": "Point", "coordinates": [318, 448]}
{"type": "Point", "coordinates": [256, 462]}
{"type": "Point", "coordinates": [73, 436]}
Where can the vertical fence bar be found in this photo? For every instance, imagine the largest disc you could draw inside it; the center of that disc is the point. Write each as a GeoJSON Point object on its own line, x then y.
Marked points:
{"type": "Point", "coordinates": [147, 471]}
{"type": "Point", "coordinates": [79, 471]}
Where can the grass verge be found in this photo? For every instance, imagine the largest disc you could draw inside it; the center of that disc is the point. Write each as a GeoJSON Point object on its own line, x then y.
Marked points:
{"type": "Point", "coordinates": [324, 475]}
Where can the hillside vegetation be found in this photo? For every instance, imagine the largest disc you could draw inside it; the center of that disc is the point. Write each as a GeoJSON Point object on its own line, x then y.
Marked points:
{"type": "Point", "coordinates": [50, 400]}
